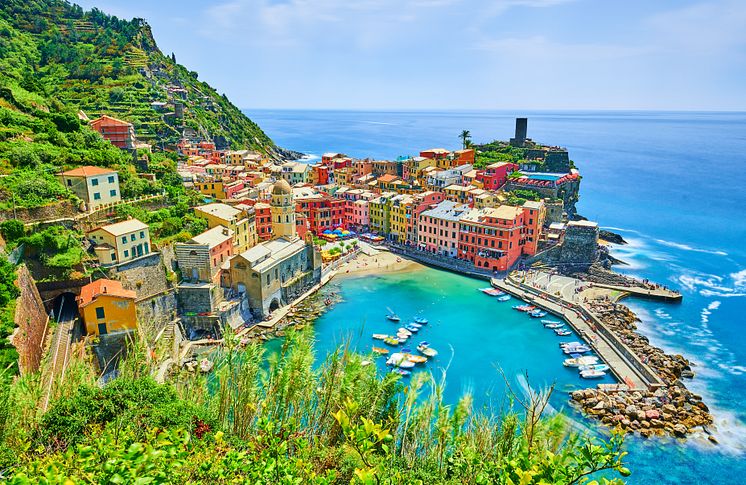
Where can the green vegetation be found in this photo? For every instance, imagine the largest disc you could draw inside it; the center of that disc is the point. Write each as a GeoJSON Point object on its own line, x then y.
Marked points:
{"type": "Point", "coordinates": [498, 152]}
{"type": "Point", "coordinates": [520, 196]}
{"type": "Point", "coordinates": [8, 294]}
{"type": "Point", "coordinates": [280, 419]}
{"type": "Point", "coordinates": [176, 223]}
{"type": "Point", "coordinates": [465, 137]}
{"type": "Point", "coordinates": [54, 252]}
{"type": "Point", "coordinates": [56, 60]}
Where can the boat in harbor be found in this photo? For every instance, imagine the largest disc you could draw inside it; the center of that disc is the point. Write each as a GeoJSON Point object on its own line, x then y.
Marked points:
{"type": "Point", "coordinates": [503, 298]}
{"type": "Point", "coordinates": [417, 359]}
{"type": "Point", "coordinates": [576, 350]}
{"type": "Point", "coordinates": [554, 325]}
{"type": "Point", "coordinates": [548, 322]}
{"type": "Point", "coordinates": [392, 316]}
{"type": "Point", "coordinates": [537, 314]}
{"type": "Point", "coordinates": [412, 328]}
{"type": "Point", "coordinates": [598, 367]}
{"type": "Point", "coordinates": [400, 360]}
{"type": "Point", "coordinates": [401, 372]}
{"type": "Point", "coordinates": [402, 337]}
{"type": "Point", "coordinates": [415, 325]}
{"type": "Point", "coordinates": [426, 350]}
{"type": "Point", "coordinates": [592, 374]}
{"type": "Point", "coordinates": [524, 308]}
{"type": "Point", "coordinates": [404, 331]}
{"type": "Point", "coordinates": [491, 291]}
{"type": "Point", "coordinates": [380, 350]}
{"type": "Point", "coordinates": [379, 336]}
{"type": "Point", "coordinates": [562, 332]}
{"type": "Point", "coordinates": [391, 341]}
{"type": "Point", "coordinates": [420, 320]}
{"type": "Point", "coordinates": [578, 361]}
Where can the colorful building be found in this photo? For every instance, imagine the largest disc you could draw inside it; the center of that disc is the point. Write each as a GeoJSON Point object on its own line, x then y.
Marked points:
{"type": "Point", "coordinates": [263, 220]}
{"type": "Point", "coordinates": [494, 176]}
{"type": "Point", "coordinates": [322, 212]}
{"type": "Point", "coordinates": [120, 242]}
{"type": "Point", "coordinates": [107, 307]}
{"type": "Point", "coordinates": [438, 228]}
{"type": "Point", "coordinates": [241, 223]}
{"type": "Point", "coordinates": [378, 210]}
{"type": "Point", "coordinates": [95, 186]}
{"type": "Point", "coordinates": [201, 257]}
{"type": "Point", "coordinates": [400, 218]}
{"type": "Point", "coordinates": [120, 133]}
{"type": "Point", "coordinates": [493, 238]}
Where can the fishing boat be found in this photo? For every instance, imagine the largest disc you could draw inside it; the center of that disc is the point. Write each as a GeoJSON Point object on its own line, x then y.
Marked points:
{"type": "Point", "coordinates": [580, 350]}
{"type": "Point", "coordinates": [404, 331]}
{"type": "Point", "coordinates": [575, 345]}
{"type": "Point", "coordinates": [570, 344]}
{"type": "Point", "coordinates": [491, 291]}
{"type": "Point", "coordinates": [406, 350]}
{"type": "Point", "coordinates": [415, 325]}
{"type": "Point", "coordinates": [578, 361]}
{"type": "Point", "coordinates": [598, 367]}
{"type": "Point", "coordinates": [417, 359]}
{"type": "Point", "coordinates": [412, 328]}
{"type": "Point", "coordinates": [391, 341]}
{"type": "Point", "coordinates": [554, 325]}
{"type": "Point", "coordinates": [562, 332]}
{"type": "Point", "coordinates": [427, 351]}
{"type": "Point", "coordinates": [524, 308]}
{"type": "Point", "coordinates": [592, 374]}
{"type": "Point", "coordinates": [547, 322]}
{"type": "Point", "coordinates": [400, 360]}
{"type": "Point", "coordinates": [402, 372]}
{"type": "Point", "coordinates": [379, 336]}
{"type": "Point", "coordinates": [402, 337]}
{"type": "Point", "coordinates": [392, 316]}
{"type": "Point", "coordinates": [420, 320]}
{"type": "Point", "coordinates": [538, 314]}
{"type": "Point", "coordinates": [380, 350]}
{"type": "Point", "coordinates": [503, 298]}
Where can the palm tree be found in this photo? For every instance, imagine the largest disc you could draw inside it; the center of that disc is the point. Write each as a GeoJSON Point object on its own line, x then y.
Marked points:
{"type": "Point", "coordinates": [465, 138]}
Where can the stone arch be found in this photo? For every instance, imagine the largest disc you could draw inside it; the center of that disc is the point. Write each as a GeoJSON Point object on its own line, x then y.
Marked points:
{"type": "Point", "coordinates": [65, 304]}
{"type": "Point", "coordinates": [274, 304]}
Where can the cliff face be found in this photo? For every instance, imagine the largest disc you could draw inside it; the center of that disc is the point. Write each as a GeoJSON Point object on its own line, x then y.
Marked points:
{"type": "Point", "coordinates": [58, 57]}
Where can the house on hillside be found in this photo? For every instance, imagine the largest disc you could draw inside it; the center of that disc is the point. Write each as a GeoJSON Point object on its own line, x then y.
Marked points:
{"type": "Point", "coordinates": [120, 242]}
{"type": "Point", "coordinates": [96, 186]}
{"type": "Point", "coordinates": [120, 133]}
{"type": "Point", "coordinates": [107, 307]}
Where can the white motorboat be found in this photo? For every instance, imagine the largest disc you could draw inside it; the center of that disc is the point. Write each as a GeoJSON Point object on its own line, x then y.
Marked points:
{"type": "Point", "coordinates": [592, 374]}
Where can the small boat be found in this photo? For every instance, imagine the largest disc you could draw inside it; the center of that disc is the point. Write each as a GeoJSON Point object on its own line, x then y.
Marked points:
{"type": "Point", "coordinates": [401, 372]}
{"type": "Point", "coordinates": [424, 343]}
{"type": "Point", "coordinates": [524, 308]}
{"type": "Point", "coordinates": [406, 350]}
{"type": "Point", "coordinates": [578, 361]}
{"type": "Point", "coordinates": [547, 322]}
{"type": "Point", "coordinates": [575, 346]}
{"type": "Point", "coordinates": [417, 359]}
{"type": "Point", "coordinates": [380, 350]}
{"type": "Point", "coordinates": [538, 314]}
{"type": "Point", "coordinates": [392, 316]}
{"type": "Point", "coordinates": [598, 367]}
{"type": "Point", "coordinates": [402, 337]}
{"type": "Point", "coordinates": [576, 351]}
{"type": "Point", "coordinates": [562, 332]}
{"type": "Point", "coordinates": [379, 336]}
{"type": "Point", "coordinates": [420, 320]}
{"type": "Point", "coordinates": [412, 328]}
{"type": "Point", "coordinates": [427, 351]}
{"type": "Point", "coordinates": [491, 291]}
{"type": "Point", "coordinates": [415, 325]}
{"type": "Point", "coordinates": [504, 298]}
{"type": "Point", "coordinates": [550, 325]}
{"type": "Point", "coordinates": [403, 331]}
{"type": "Point", "coordinates": [390, 341]}
{"type": "Point", "coordinates": [400, 360]}
{"type": "Point", "coordinates": [592, 374]}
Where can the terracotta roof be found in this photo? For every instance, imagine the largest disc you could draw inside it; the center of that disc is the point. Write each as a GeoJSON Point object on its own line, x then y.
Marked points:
{"type": "Point", "coordinates": [88, 171]}
{"type": "Point", "coordinates": [108, 120]}
{"type": "Point", "coordinates": [91, 291]}
{"type": "Point", "coordinates": [387, 178]}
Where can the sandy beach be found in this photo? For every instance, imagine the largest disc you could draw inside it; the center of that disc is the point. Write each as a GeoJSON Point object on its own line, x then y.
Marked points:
{"type": "Point", "coordinates": [377, 262]}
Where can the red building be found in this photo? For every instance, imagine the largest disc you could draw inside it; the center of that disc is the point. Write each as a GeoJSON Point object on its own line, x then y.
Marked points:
{"type": "Point", "coordinates": [493, 238]}
{"type": "Point", "coordinates": [320, 174]}
{"type": "Point", "coordinates": [321, 212]}
{"type": "Point", "coordinates": [120, 133]}
{"type": "Point", "coordinates": [495, 175]}
{"type": "Point", "coordinates": [263, 220]}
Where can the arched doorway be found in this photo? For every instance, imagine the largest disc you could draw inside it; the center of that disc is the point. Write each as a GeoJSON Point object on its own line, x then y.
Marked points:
{"type": "Point", "coordinates": [274, 305]}
{"type": "Point", "coordinates": [65, 307]}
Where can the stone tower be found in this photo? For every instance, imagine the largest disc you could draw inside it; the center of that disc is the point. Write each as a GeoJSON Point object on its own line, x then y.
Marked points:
{"type": "Point", "coordinates": [283, 211]}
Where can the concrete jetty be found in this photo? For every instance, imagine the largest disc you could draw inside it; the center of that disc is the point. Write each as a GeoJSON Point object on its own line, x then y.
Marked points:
{"type": "Point", "coordinates": [622, 361]}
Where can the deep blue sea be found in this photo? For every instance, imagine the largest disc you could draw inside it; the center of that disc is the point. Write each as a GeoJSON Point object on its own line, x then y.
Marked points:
{"type": "Point", "coordinates": [672, 183]}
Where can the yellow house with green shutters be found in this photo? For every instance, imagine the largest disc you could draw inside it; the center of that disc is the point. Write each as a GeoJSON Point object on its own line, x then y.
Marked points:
{"type": "Point", "coordinates": [106, 307]}
{"type": "Point", "coordinates": [379, 209]}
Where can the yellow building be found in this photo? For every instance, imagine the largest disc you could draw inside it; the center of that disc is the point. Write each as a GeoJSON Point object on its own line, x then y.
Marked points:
{"type": "Point", "coordinates": [283, 211]}
{"type": "Point", "coordinates": [107, 307]}
{"type": "Point", "coordinates": [120, 242]}
{"type": "Point", "coordinates": [399, 217]}
{"type": "Point", "coordinates": [379, 209]}
{"type": "Point", "coordinates": [212, 189]}
{"type": "Point", "coordinates": [242, 223]}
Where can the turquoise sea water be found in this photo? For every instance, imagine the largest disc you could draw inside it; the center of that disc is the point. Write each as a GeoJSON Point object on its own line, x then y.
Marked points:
{"type": "Point", "coordinates": [672, 183]}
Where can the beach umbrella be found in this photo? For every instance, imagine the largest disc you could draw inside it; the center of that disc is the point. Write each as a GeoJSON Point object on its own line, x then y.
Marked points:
{"type": "Point", "coordinates": [328, 231]}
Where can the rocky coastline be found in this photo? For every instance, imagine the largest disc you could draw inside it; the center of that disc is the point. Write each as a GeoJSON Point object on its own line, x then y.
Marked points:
{"type": "Point", "coordinates": [671, 410]}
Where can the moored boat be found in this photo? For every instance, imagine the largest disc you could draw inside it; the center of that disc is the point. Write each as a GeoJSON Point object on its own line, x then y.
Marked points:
{"type": "Point", "coordinates": [537, 314]}
{"type": "Point", "coordinates": [503, 298]}
{"type": "Point", "coordinates": [547, 322]}
{"type": "Point", "coordinates": [380, 350]}
{"type": "Point", "coordinates": [391, 341]}
{"type": "Point", "coordinates": [392, 315]}
{"type": "Point", "coordinates": [562, 332]}
{"type": "Point", "coordinates": [554, 325]}
{"type": "Point", "coordinates": [412, 328]}
{"type": "Point", "coordinates": [598, 367]}
{"type": "Point", "coordinates": [402, 372]}
{"type": "Point", "coordinates": [578, 361]}
{"type": "Point", "coordinates": [420, 320]}
{"type": "Point", "coordinates": [491, 291]}
{"type": "Point", "coordinates": [592, 374]}
{"type": "Point", "coordinates": [404, 331]}
{"type": "Point", "coordinates": [427, 351]}
{"type": "Point", "coordinates": [417, 359]}
{"type": "Point", "coordinates": [379, 336]}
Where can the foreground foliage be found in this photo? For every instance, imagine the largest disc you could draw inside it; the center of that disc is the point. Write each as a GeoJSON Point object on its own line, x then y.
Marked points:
{"type": "Point", "coordinates": [279, 419]}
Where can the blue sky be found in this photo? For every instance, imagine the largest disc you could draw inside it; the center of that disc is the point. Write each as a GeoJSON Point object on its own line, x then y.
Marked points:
{"type": "Point", "coordinates": [457, 54]}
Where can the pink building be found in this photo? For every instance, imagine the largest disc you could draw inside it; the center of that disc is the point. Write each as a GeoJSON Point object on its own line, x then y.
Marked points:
{"type": "Point", "coordinates": [359, 214]}
{"type": "Point", "coordinates": [438, 228]}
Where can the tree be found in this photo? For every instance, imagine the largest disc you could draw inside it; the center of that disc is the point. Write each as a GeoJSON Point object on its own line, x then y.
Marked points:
{"type": "Point", "coordinates": [465, 138]}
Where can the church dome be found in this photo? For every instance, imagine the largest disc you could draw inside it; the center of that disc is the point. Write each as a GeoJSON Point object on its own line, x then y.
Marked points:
{"type": "Point", "coordinates": [282, 187]}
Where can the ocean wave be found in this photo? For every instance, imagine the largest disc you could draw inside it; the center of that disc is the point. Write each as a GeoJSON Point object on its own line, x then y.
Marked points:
{"type": "Point", "coordinates": [686, 247]}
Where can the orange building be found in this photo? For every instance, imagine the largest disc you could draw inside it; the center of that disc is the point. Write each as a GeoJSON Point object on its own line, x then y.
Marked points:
{"type": "Point", "coordinates": [107, 307]}
{"type": "Point", "coordinates": [120, 133]}
{"type": "Point", "coordinates": [493, 238]}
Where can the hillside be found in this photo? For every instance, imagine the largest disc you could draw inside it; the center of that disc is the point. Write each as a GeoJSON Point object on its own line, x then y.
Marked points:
{"type": "Point", "coordinates": [58, 62]}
